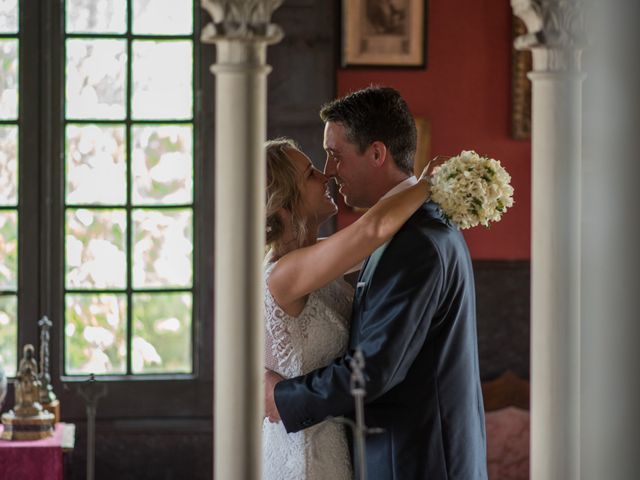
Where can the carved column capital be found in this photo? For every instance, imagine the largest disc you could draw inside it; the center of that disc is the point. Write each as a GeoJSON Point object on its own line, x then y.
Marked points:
{"type": "Point", "coordinates": [241, 20]}
{"type": "Point", "coordinates": [556, 33]}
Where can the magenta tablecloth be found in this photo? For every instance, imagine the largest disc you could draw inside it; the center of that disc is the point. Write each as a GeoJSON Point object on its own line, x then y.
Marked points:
{"type": "Point", "coordinates": [508, 444]}
{"type": "Point", "coordinates": [32, 460]}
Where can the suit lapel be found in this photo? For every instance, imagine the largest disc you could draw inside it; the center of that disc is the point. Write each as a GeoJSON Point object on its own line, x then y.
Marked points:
{"type": "Point", "coordinates": [366, 273]}
{"type": "Point", "coordinates": [372, 263]}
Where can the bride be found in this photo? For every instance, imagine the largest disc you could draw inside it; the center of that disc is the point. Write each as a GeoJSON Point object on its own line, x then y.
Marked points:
{"type": "Point", "coordinates": [307, 304]}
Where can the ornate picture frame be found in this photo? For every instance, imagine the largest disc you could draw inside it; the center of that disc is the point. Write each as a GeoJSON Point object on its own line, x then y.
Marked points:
{"type": "Point", "coordinates": [423, 150]}
{"type": "Point", "coordinates": [521, 64]}
{"type": "Point", "coordinates": [384, 33]}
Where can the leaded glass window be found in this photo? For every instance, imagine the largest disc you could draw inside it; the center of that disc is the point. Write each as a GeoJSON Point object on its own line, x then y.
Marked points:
{"type": "Point", "coordinates": [9, 169]}
{"type": "Point", "coordinates": [129, 206]}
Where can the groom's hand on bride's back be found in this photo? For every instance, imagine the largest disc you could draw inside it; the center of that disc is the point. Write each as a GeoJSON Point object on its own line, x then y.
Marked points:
{"type": "Point", "coordinates": [271, 379]}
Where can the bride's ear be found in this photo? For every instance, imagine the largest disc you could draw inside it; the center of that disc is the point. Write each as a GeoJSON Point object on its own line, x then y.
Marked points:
{"type": "Point", "coordinates": [285, 215]}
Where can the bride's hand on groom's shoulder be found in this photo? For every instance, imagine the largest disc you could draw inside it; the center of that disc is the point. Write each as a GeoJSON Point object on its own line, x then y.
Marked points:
{"type": "Point", "coordinates": [425, 172]}
{"type": "Point", "coordinates": [271, 379]}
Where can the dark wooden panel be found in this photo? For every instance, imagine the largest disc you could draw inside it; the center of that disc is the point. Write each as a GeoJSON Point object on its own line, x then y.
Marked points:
{"type": "Point", "coordinates": [502, 295]}
{"type": "Point", "coordinates": [304, 75]}
{"type": "Point", "coordinates": [146, 450]}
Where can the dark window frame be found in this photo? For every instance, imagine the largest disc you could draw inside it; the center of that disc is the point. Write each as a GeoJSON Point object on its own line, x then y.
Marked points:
{"type": "Point", "coordinates": [41, 222]}
{"type": "Point", "coordinates": [15, 292]}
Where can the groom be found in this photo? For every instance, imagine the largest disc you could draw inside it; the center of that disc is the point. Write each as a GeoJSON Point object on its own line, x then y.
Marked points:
{"type": "Point", "coordinates": [413, 315]}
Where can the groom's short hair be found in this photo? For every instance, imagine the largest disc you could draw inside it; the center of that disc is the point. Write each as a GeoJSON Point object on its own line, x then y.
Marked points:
{"type": "Point", "coordinates": [376, 114]}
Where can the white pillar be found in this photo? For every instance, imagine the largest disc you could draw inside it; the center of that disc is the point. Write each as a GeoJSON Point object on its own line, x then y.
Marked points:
{"type": "Point", "coordinates": [611, 257]}
{"type": "Point", "coordinates": [555, 242]}
{"type": "Point", "coordinates": [241, 29]}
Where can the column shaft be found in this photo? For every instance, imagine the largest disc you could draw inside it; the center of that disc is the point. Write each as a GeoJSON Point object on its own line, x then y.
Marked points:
{"type": "Point", "coordinates": [611, 256]}
{"type": "Point", "coordinates": [239, 249]}
{"type": "Point", "coordinates": [555, 276]}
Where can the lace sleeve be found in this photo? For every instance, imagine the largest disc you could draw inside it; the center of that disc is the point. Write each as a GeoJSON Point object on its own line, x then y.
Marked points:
{"type": "Point", "coordinates": [278, 347]}
{"type": "Point", "coordinates": [270, 360]}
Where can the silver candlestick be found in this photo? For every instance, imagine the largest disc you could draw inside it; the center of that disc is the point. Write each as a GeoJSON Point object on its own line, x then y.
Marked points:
{"type": "Point", "coordinates": [360, 430]}
{"type": "Point", "coordinates": [358, 391]}
{"type": "Point", "coordinates": [91, 391]}
{"type": "Point", "coordinates": [46, 390]}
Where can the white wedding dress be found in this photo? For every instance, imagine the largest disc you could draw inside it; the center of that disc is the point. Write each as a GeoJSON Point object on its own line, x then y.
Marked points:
{"type": "Point", "coordinates": [296, 346]}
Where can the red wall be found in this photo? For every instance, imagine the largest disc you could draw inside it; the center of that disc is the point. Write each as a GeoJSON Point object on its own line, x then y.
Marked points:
{"type": "Point", "coordinates": [465, 93]}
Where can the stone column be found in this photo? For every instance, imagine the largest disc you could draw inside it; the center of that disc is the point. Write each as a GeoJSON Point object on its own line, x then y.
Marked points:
{"type": "Point", "coordinates": [241, 30]}
{"type": "Point", "coordinates": [611, 258]}
{"type": "Point", "coordinates": [555, 29]}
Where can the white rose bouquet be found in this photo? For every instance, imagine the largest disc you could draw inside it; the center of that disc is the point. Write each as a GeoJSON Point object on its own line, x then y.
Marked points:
{"type": "Point", "coordinates": [471, 189]}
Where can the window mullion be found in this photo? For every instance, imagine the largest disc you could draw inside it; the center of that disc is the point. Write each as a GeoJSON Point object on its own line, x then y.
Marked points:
{"type": "Point", "coordinates": [129, 89]}
{"type": "Point", "coordinates": [52, 165]}
{"type": "Point", "coordinates": [30, 229]}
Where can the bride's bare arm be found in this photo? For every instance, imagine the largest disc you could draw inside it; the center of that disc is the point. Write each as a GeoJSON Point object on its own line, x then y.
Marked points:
{"type": "Point", "coordinates": [352, 269]}
{"type": "Point", "coordinates": [302, 271]}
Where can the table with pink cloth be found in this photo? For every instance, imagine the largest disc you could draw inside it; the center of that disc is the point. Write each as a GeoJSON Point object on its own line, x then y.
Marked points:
{"type": "Point", "coordinates": [508, 444]}
{"type": "Point", "coordinates": [36, 459]}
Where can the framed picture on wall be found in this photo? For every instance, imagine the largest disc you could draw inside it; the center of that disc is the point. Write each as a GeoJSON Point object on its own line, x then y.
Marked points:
{"type": "Point", "coordinates": [384, 33]}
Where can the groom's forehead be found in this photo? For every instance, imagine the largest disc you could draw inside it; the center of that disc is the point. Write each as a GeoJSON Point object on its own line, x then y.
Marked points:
{"type": "Point", "coordinates": [334, 135]}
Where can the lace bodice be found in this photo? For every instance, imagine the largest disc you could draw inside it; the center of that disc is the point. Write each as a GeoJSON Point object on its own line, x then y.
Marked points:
{"type": "Point", "coordinates": [296, 346]}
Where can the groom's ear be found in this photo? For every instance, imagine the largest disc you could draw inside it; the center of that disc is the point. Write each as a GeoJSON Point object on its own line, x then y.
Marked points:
{"type": "Point", "coordinates": [378, 153]}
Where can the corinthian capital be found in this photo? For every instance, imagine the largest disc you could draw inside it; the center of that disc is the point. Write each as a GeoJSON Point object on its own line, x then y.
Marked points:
{"type": "Point", "coordinates": [248, 20]}
{"type": "Point", "coordinates": [555, 32]}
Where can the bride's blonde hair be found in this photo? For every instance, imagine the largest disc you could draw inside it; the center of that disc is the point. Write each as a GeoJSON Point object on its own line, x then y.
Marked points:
{"type": "Point", "coordinates": [283, 191]}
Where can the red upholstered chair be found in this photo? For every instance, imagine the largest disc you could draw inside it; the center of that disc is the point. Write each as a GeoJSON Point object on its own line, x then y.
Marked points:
{"type": "Point", "coordinates": [506, 402]}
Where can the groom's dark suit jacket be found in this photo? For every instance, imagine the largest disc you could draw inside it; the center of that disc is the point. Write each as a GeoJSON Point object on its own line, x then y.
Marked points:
{"type": "Point", "coordinates": [414, 319]}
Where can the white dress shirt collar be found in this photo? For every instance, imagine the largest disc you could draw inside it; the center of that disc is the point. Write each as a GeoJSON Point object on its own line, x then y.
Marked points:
{"type": "Point", "coordinates": [403, 185]}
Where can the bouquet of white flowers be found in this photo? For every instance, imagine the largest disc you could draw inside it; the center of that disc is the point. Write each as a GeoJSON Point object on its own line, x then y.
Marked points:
{"type": "Point", "coordinates": [471, 189]}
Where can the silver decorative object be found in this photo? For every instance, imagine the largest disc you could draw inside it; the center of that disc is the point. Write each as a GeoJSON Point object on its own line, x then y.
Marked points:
{"type": "Point", "coordinates": [46, 390]}
{"type": "Point", "coordinates": [358, 391]}
{"type": "Point", "coordinates": [28, 420]}
{"type": "Point", "coordinates": [360, 430]}
{"type": "Point", "coordinates": [91, 391]}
